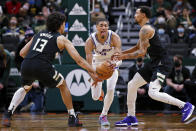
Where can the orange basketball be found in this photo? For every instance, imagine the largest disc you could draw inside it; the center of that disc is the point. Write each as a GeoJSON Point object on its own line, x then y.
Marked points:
{"type": "Point", "coordinates": [103, 71]}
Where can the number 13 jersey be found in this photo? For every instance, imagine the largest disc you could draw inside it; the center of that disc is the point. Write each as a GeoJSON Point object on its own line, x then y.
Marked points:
{"type": "Point", "coordinates": [44, 46]}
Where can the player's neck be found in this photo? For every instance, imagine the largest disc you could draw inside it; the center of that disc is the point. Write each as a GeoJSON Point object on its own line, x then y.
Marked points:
{"type": "Point", "coordinates": [143, 22]}
{"type": "Point", "coordinates": [100, 39]}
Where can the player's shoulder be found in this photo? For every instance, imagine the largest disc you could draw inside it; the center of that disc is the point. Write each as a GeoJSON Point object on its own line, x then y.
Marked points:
{"type": "Point", "coordinates": [147, 27]}
{"type": "Point", "coordinates": [89, 40]}
{"type": "Point", "coordinates": [114, 34]}
{"type": "Point", "coordinates": [147, 31]}
{"type": "Point", "coordinates": [61, 37]}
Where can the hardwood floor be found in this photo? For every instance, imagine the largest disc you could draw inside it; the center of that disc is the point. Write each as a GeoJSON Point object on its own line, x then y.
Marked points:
{"type": "Point", "coordinates": [58, 122]}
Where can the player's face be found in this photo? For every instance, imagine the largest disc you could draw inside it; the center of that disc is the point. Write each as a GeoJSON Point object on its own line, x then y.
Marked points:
{"type": "Point", "coordinates": [102, 29]}
{"type": "Point", "coordinates": [138, 16]}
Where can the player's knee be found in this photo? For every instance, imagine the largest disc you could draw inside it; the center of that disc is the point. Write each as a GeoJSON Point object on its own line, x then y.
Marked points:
{"type": "Point", "coordinates": [61, 82]}
{"type": "Point", "coordinates": [95, 97]}
{"type": "Point", "coordinates": [27, 88]}
{"type": "Point", "coordinates": [130, 84]}
{"type": "Point", "coordinates": [152, 93]}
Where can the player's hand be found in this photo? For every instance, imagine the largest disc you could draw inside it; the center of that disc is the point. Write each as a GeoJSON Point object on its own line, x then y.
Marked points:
{"type": "Point", "coordinates": [113, 57]}
{"type": "Point", "coordinates": [95, 77]}
{"type": "Point", "coordinates": [112, 65]}
{"type": "Point", "coordinates": [118, 57]}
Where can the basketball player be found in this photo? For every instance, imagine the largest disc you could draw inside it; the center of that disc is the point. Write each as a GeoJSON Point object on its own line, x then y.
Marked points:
{"type": "Point", "coordinates": [38, 54]}
{"type": "Point", "coordinates": [100, 46]}
{"type": "Point", "coordinates": [154, 71]}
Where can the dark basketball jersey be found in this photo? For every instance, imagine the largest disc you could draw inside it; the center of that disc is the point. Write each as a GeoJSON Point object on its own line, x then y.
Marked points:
{"type": "Point", "coordinates": [44, 46]}
{"type": "Point", "coordinates": [159, 65]}
{"type": "Point", "coordinates": [156, 49]}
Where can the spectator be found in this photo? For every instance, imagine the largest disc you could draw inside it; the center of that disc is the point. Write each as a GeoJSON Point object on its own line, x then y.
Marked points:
{"type": "Point", "coordinates": [24, 19]}
{"type": "Point", "coordinates": [107, 9]}
{"type": "Point", "coordinates": [4, 74]}
{"type": "Point", "coordinates": [185, 18]}
{"type": "Point", "coordinates": [34, 100]}
{"type": "Point", "coordinates": [11, 35]}
{"type": "Point", "coordinates": [176, 79]}
{"type": "Point", "coordinates": [159, 6]}
{"type": "Point", "coordinates": [181, 36]}
{"type": "Point", "coordinates": [39, 22]}
{"type": "Point", "coordinates": [171, 20]}
{"type": "Point", "coordinates": [45, 12]}
{"type": "Point", "coordinates": [28, 35]}
{"type": "Point", "coordinates": [97, 13]}
{"type": "Point", "coordinates": [179, 6]}
{"type": "Point", "coordinates": [3, 18]}
{"type": "Point", "coordinates": [165, 39]}
{"type": "Point", "coordinates": [13, 7]}
{"type": "Point", "coordinates": [133, 69]}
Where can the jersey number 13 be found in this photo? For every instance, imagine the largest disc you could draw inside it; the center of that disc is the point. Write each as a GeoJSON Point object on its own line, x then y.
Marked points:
{"type": "Point", "coordinates": [40, 44]}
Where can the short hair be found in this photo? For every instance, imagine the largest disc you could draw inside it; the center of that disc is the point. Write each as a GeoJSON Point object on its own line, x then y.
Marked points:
{"type": "Point", "coordinates": [54, 21]}
{"type": "Point", "coordinates": [146, 10]}
{"type": "Point", "coordinates": [179, 57]}
{"type": "Point", "coordinates": [100, 20]}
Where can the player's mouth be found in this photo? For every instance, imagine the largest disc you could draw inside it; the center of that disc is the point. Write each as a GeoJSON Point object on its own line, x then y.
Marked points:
{"type": "Point", "coordinates": [103, 32]}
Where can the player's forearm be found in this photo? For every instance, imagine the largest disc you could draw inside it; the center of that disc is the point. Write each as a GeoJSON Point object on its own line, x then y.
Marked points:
{"type": "Point", "coordinates": [89, 58]}
{"type": "Point", "coordinates": [84, 64]}
{"type": "Point", "coordinates": [131, 50]}
{"type": "Point", "coordinates": [133, 55]}
{"type": "Point", "coordinates": [170, 83]}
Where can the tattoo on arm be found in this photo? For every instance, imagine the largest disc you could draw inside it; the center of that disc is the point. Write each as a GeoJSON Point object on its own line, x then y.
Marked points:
{"type": "Point", "coordinates": [144, 31]}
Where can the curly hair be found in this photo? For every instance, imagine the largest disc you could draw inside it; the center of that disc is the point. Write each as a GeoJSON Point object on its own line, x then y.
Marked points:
{"type": "Point", "coordinates": [54, 21]}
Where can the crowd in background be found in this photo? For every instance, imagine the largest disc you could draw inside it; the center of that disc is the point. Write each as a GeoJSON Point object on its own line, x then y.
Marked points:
{"type": "Point", "coordinates": [175, 21]}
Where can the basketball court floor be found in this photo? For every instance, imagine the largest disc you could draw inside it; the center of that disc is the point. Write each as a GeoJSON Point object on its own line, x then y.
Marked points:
{"type": "Point", "coordinates": [58, 122]}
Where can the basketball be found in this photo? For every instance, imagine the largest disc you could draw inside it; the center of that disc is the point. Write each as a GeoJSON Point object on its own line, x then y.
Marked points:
{"type": "Point", "coordinates": [103, 70]}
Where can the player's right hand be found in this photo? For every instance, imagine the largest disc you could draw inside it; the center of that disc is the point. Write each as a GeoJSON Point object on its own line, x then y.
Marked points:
{"type": "Point", "coordinates": [95, 77]}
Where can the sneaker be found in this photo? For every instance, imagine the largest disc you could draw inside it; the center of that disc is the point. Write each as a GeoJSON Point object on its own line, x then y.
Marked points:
{"type": "Point", "coordinates": [6, 120]}
{"type": "Point", "coordinates": [187, 111]}
{"type": "Point", "coordinates": [128, 121]}
{"type": "Point", "coordinates": [104, 121]}
{"type": "Point", "coordinates": [102, 95]}
{"type": "Point", "coordinates": [74, 121]}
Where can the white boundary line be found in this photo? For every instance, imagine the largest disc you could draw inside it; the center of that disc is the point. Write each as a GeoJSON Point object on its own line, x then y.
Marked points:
{"type": "Point", "coordinates": [191, 120]}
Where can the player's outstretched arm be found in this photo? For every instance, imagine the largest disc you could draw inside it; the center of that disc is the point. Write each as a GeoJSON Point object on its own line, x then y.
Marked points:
{"type": "Point", "coordinates": [64, 43]}
{"type": "Point", "coordinates": [145, 34]}
{"type": "Point", "coordinates": [116, 42]}
{"type": "Point", "coordinates": [25, 49]}
{"type": "Point", "coordinates": [88, 50]}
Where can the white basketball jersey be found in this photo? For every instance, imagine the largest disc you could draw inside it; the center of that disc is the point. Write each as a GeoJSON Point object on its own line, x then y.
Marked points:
{"type": "Point", "coordinates": [102, 51]}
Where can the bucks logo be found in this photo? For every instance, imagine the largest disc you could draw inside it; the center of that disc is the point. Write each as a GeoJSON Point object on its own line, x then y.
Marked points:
{"type": "Point", "coordinates": [77, 82]}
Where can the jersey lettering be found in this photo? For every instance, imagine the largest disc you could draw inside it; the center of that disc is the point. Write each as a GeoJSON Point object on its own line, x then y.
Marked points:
{"type": "Point", "coordinates": [40, 44]}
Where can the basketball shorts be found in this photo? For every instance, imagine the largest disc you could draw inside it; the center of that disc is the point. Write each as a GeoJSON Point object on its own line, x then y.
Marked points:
{"type": "Point", "coordinates": [37, 69]}
{"type": "Point", "coordinates": [156, 69]}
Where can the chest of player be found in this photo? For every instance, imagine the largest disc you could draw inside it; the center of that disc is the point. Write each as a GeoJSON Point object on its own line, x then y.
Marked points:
{"type": "Point", "coordinates": [103, 49]}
